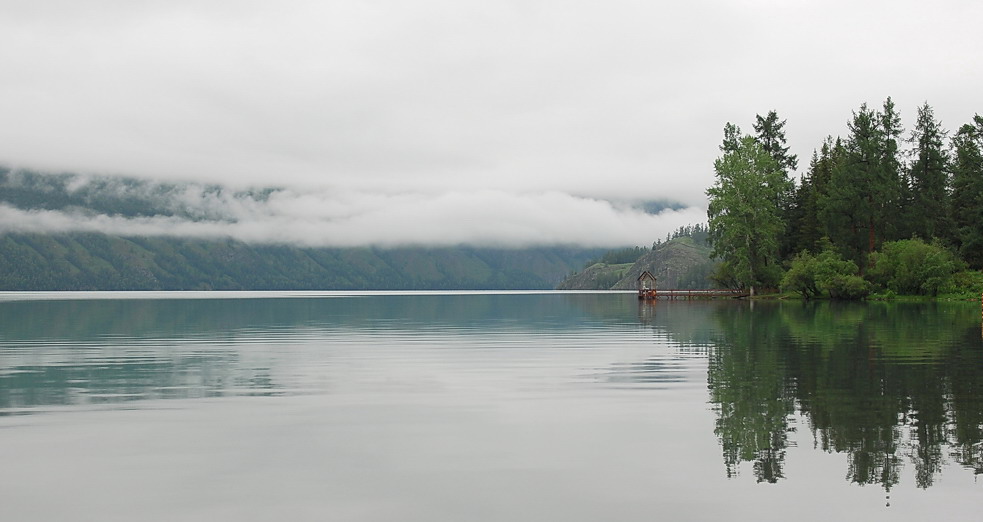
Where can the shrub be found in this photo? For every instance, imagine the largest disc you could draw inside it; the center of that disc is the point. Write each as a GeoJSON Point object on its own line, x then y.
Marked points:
{"type": "Point", "coordinates": [801, 276]}
{"type": "Point", "coordinates": [847, 287]}
{"type": "Point", "coordinates": [826, 273]}
{"type": "Point", "coordinates": [912, 266]}
{"type": "Point", "coordinates": [967, 284]}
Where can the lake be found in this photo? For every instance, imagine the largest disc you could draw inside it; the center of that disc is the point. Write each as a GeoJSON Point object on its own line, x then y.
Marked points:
{"type": "Point", "coordinates": [475, 406]}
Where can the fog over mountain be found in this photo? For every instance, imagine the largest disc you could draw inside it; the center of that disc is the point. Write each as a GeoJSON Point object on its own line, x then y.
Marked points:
{"type": "Point", "coordinates": [439, 121]}
{"type": "Point", "coordinates": [127, 207]}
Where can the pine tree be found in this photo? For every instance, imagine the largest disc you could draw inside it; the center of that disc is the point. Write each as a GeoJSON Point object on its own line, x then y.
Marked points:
{"type": "Point", "coordinates": [808, 227]}
{"type": "Point", "coordinates": [928, 215]}
{"type": "Point", "coordinates": [967, 191]}
{"type": "Point", "coordinates": [891, 129]}
{"type": "Point", "coordinates": [863, 191]}
{"type": "Point", "coordinates": [770, 133]}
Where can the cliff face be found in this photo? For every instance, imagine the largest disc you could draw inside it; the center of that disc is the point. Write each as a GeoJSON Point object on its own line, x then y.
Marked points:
{"type": "Point", "coordinates": [676, 264]}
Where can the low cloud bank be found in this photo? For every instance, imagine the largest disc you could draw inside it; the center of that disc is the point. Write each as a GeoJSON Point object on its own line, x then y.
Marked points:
{"type": "Point", "coordinates": [325, 217]}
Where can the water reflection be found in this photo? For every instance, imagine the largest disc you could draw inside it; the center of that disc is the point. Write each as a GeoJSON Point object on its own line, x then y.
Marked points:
{"type": "Point", "coordinates": [102, 351]}
{"type": "Point", "coordinates": [884, 383]}
{"type": "Point", "coordinates": [894, 387]}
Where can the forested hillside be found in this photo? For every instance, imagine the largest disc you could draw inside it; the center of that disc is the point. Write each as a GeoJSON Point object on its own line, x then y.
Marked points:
{"type": "Point", "coordinates": [88, 260]}
{"type": "Point", "coordinates": [101, 262]}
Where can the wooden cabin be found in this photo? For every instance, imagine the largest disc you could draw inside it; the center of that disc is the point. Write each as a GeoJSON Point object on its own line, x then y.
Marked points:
{"type": "Point", "coordinates": [646, 285]}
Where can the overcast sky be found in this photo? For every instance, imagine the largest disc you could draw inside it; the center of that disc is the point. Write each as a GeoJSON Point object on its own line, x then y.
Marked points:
{"type": "Point", "coordinates": [463, 121]}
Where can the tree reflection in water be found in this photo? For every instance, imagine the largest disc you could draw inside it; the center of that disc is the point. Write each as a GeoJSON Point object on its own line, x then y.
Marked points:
{"type": "Point", "coordinates": [883, 383]}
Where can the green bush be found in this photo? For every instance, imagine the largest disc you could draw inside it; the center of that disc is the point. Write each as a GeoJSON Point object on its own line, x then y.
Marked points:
{"type": "Point", "coordinates": [847, 287]}
{"type": "Point", "coordinates": [801, 276]}
{"type": "Point", "coordinates": [825, 274]}
{"type": "Point", "coordinates": [967, 284]}
{"type": "Point", "coordinates": [914, 267]}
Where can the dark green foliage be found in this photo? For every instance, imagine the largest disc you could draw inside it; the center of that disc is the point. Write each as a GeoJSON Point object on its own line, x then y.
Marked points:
{"type": "Point", "coordinates": [967, 191]}
{"type": "Point", "coordinates": [861, 205]}
{"type": "Point", "coordinates": [771, 135]}
{"type": "Point", "coordinates": [928, 212]}
{"type": "Point", "coordinates": [806, 226]}
{"type": "Point", "coordinates": [912, 266]}
{"type": "Point", "coordinates": [891, 132]}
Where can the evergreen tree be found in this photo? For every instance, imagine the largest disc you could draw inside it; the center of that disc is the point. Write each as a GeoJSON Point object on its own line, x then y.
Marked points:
{"type": "Point", "coordinates": [967, 191]}
{"type": "Point", "coordinates": [928, 215]}
{"type": "Point", "coordinates": [770, 133]}
{"type": "Point", "coordinates": [808, 227]}
{"type": "Point", "coordinates": [863, 194]}
{"type": "Point", "coordinates": [744, 221]}
{"type": "Point", "coordinates": [890, 124]}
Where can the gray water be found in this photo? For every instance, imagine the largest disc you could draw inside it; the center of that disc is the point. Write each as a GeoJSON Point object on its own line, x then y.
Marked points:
{"type": "Point", "coordinates": [485, 406]}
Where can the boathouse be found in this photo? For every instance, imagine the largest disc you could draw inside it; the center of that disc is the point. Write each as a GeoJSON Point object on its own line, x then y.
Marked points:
{"type": "Point", "coordinates": [646, 285]}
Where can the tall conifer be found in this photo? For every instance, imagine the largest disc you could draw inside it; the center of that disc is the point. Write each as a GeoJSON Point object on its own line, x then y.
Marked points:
{"type": "Point", "coordinates": [967, 191]}
{"type": "Point", "coordinates": [928, 215]}
{"type": "Point", "coordinates": [863, 191]}
{"type": "Point", "coordinates": [770, 134]}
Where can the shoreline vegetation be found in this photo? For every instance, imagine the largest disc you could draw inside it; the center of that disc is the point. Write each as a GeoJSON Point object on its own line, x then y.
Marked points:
{"type": "Point", "coordinates": [881, 214]}
{"type": "Point", "coordinates": [878, 214]}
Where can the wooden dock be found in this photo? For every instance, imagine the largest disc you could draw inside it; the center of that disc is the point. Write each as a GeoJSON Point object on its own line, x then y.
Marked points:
{"type": "Point", "coordinates": [648, 295]}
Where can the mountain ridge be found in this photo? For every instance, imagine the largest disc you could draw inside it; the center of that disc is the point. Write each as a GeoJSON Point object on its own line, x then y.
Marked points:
{"type": "Point", "coordinates": [681, 263]}
{"type": "Point", "coordinates": [90, 261]}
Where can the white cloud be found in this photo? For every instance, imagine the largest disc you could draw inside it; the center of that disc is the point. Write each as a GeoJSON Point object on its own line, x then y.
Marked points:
{"type": "Point", "coordinates": [458, 101]}
{"type": "Point", "coordinates": [312, 218]}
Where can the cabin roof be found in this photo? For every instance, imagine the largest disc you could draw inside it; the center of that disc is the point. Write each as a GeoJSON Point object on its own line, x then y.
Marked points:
{"type": "Point", "coordinates": [646, 275]}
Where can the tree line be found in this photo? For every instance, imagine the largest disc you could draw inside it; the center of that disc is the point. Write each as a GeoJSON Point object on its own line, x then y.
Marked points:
{"type": "Point", "coordinates": [880, 209]}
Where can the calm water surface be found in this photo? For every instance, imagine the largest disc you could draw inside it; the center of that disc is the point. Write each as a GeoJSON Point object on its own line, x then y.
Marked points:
{"type": "Point", "coordinates": [483, 406]}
